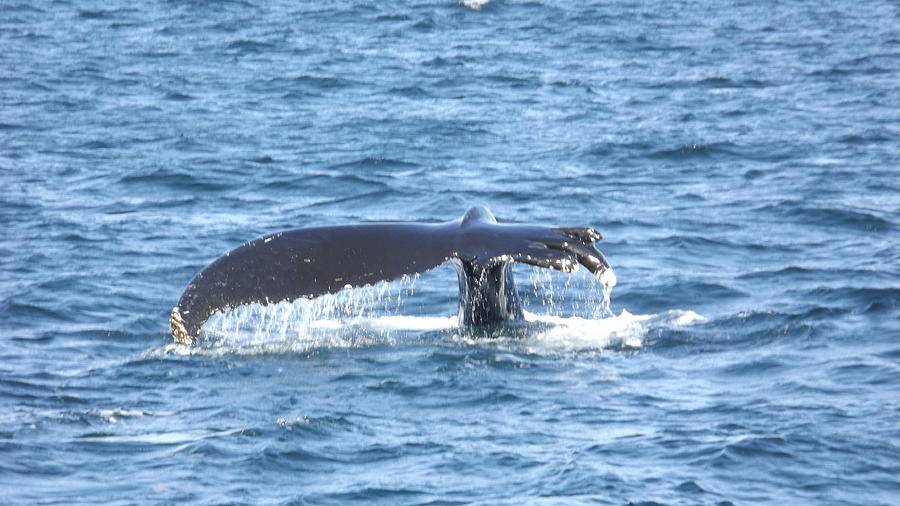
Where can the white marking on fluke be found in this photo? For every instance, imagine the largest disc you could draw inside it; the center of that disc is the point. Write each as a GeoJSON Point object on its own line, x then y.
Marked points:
{"type": "Point", "coordinates": [607, 278]}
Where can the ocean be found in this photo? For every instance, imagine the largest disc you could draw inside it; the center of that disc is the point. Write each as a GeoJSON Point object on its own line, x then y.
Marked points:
{"type": "Point", "coordinates": [741, 160]}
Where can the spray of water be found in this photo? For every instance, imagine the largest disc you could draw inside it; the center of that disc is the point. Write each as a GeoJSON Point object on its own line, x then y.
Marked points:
{"type": "Point", "coordinates": [335, 321]}
{"type": "Point", "coordinates": [564, 313]}
{"type": "Point", "coordinates": [555, 294]}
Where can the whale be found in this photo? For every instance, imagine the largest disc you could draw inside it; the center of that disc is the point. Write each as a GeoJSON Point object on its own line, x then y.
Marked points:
{"type": "Point", "coordinates": [309, 262]}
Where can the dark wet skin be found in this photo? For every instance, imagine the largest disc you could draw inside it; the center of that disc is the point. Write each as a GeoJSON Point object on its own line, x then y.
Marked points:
{"type": "Point", "coordinates": [309, 262]}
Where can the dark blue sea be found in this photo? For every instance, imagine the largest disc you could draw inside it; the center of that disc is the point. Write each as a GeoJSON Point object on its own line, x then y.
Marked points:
{"type": "Point", "coordinates": [742, 160]}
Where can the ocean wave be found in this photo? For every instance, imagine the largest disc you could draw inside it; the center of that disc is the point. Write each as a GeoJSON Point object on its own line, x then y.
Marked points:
{"type": "Point", "coordinates": [855, 219]}
{"type": "Point", "coordinates": [738, 170]}
{"type": "Point", "coordinates": [475, 5]}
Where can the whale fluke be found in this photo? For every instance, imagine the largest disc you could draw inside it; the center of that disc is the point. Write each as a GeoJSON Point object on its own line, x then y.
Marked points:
{"type": "Point", "coordinates": [309, 262]}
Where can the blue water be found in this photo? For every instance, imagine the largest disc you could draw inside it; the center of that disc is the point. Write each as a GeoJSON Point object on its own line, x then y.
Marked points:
{"type": "Point", "coordinates": [740, 158]}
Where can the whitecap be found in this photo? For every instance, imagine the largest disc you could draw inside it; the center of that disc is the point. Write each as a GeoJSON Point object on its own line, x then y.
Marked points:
{"type": "Point", "coordinates": [114, 415]}
{"type": "Point", "coordinates": [475, 5]}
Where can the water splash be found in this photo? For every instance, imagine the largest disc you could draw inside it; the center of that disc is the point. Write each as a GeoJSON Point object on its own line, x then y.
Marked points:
{"type": "Point", "coordinates": [333, 320]}
{"type": "Point", "coordinates": [475, 5]}
{"type": "Point", "coordinates": [607, 300]}
{"type": "Point", "coordinates": [624, 331]}
{"type": "Point", "coordinates": [549, 335]}
{"type": "Point", "coordinates": [564, 313]}
{"type": "Point", "coordinates": [579, 294]}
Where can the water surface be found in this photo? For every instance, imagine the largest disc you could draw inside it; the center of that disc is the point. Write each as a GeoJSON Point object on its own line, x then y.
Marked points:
{"type": "Point", "coordinates": [741, 161]}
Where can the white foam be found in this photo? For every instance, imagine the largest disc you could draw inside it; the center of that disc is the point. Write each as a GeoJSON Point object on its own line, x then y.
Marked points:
{"type": "Point", "coordinates": [161, 438]}
{"type": "Point", "coordinates": [542, 335]}
{"type": "Point", "coordinates": [114, 415]}
{"type": "Point", "coordinates": [619, 331]}
{"type": "Point", "coordinates": [474, 4]}
{"type": "Point", "coordinates": [410, 323]}
{"type": "Point", "coordinates": [575, 333]}
{"type": "Point", "coordinates": [624, 331]}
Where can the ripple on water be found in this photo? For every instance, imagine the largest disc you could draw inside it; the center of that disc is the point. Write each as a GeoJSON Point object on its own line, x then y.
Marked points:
{"type": "Point", "coordinates": [738, 169]}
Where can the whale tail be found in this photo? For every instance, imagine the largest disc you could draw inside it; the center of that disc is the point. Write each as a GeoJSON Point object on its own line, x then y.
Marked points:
{"type": "Point", "coordinates": [182, 333]}
{"type": "Point", "coordinates": [310, 262]}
